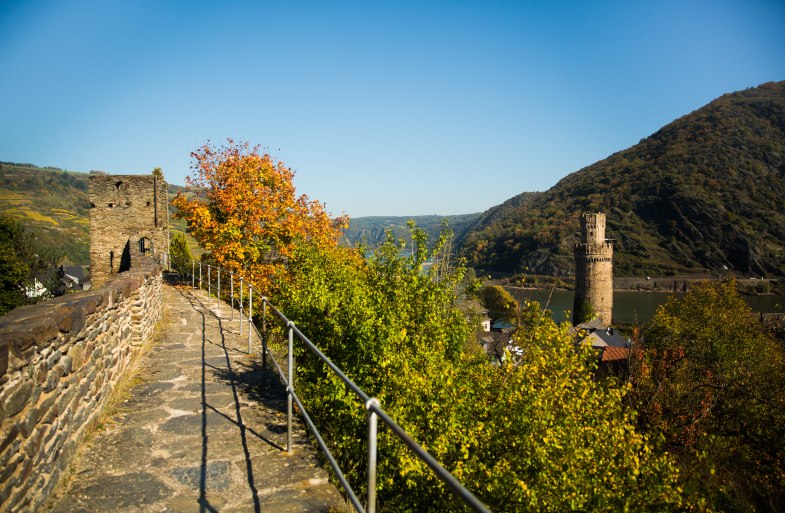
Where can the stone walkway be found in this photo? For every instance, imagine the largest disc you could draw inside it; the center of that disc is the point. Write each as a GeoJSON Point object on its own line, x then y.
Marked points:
{"type": "Point", "coordinates": [203, 430]}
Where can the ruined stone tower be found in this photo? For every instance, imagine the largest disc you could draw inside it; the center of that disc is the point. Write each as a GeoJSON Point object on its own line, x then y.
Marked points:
{"type": "Point", "coordinates": [129, 217]}
{"type": "Point", "coordinates": [593, 272]}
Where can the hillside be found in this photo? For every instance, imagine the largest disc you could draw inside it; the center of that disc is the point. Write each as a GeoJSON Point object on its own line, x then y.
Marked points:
{"type": "Point", "coordinates": [53, 206]}
{"type": "Point", "coordinates": [705, 191]}
{"type": "Point", "coordinates": [372, 230]}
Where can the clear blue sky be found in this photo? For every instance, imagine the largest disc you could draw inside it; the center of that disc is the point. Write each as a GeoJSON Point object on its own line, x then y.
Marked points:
{"type": "Point", "coordinates": [382, 108]}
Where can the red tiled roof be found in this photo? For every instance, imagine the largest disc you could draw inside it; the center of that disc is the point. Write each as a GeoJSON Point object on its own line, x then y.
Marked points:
{"type": "Point", "coordinates": [611, 353]}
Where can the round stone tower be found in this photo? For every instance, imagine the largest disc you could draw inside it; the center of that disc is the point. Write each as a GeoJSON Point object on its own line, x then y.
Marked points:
{"type": "Point", "coordinates": [593, 272]}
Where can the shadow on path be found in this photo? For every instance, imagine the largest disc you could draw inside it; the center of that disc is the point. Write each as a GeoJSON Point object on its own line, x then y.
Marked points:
{"type": "Point", "coordinates": [202, 429]}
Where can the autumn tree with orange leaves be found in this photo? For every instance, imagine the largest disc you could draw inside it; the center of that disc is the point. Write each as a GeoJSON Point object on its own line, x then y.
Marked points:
{"type": "Point", "coordinates": [246, 214]}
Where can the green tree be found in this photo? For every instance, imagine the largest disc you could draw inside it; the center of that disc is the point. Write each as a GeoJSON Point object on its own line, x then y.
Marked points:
{"type": "Point", "coordinates": [583, 313]}
{"type": "Point", "coordinates": [14, 272]}
{"type": "Point", "coordinates": [21, 260]}
{"type": "Point", "coordinates": [550, 436]}
{"type": "Point", "coordinates": [179, 253]}
{"type": "Point", "coordinates": [500, 304]}
{"type": "Point", "coordinates": [710, 379]}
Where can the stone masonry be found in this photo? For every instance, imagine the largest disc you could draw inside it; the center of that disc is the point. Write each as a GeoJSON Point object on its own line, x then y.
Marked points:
{"type": "Point", "coordinates": [593, 272]}
{"type": "Point", "coordinates": [128, 216]}
{"type": "Point", "coordinates": [58, 362]}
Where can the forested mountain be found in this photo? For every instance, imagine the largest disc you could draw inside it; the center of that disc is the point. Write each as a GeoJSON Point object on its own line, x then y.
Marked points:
{"type": "Point", "coordinates": [372, 230]}
{"type": "Point", "coordinates": [705, 191]}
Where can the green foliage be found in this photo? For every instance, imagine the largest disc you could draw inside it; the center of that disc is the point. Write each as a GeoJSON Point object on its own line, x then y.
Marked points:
{"type": "Point", "coordinates": [583, 313]}
{"type": "Point", "coordinates": [710, 379]}
{"type": "Point", "coordinates": [539, 433]}
{"type": "Point", "coordinates": [179, 252]}
{"type": "Point", "coordinates": [554, 438]}
{"type": "Point", "coordinates": [500, 304]}
{"type": "Point", "coordinates": [703, 192]}
{"type": "Point", "coordinates": [13, 271]}
{"type": "Point", "coordinates": [21, 260]}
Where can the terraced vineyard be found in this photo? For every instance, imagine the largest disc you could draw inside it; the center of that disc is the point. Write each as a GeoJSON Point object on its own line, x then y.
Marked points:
{"type": "Point", "coordinates": [51, 204]}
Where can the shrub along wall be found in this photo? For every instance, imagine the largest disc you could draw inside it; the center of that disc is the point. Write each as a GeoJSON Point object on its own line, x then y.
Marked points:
{"type": "Point", "coordinates": [58, 362]}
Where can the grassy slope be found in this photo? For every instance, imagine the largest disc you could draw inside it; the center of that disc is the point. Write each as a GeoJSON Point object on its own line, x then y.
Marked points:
{"type": "Point", "coordinates": [703, 192]}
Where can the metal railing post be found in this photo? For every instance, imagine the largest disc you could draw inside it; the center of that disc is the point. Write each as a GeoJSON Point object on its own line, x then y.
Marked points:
{"type": "Point", "coordinates": [264, 329]}
{"type": "Point", "coordinates": [373, 423]}
{"type": "Point", "coordinates": [231, 293]}
{"type": "Point", "coordinates": [250, 316]}
{"type": "Point", "coordinates": [241, 305]}
{"type": "Point", "coordinates": [218, 297]}
{"type": "Point", "coordinates": [209, 283]}
{"type": "Point", "coordinates": [290, 390]}
{"type": "Point", "coordinates": [193, 274]}
{"type": "Point", "coordinates": [200, 276]}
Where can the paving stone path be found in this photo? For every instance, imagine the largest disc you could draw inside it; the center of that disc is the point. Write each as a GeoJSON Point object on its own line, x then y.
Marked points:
{"type": "Point", "coordinates": [203, 430]}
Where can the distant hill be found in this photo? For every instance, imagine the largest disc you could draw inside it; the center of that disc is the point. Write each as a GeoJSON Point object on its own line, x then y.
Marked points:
{"type": "Point", "coordinates": [705, 191]}
{"type": "Point", "coordinates": [52, 205]}
{"type": "Point", "coordinates": [372, 230]}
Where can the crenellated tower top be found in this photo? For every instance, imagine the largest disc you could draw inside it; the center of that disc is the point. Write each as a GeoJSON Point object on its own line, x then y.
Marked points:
{"type": "Point", "coordinates": [593, 228]}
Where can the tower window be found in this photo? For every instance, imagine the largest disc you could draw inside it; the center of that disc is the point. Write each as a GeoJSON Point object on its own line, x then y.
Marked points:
{"type": "Point", "coordinates": [117, 185]}
{"type": "Point", "coordinates": [145, 245]}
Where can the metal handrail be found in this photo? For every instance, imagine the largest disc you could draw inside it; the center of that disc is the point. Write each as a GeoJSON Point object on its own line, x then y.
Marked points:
{"type": "Point", "coordinates": [371, 404]}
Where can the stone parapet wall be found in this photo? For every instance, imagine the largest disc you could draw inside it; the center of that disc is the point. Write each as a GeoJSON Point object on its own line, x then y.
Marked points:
{"type": "Point", "coordinates": [59, 361]}
{"type": "Point", "coordinates": [594, 250]}
{"type": "Point", "coordinates": [667, 284]}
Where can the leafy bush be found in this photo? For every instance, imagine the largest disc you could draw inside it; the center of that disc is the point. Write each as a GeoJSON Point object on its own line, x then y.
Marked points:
{"type": "Point", "coordinates": [539, 433]}
{"type": "Point", "coordinates": [22, 260]}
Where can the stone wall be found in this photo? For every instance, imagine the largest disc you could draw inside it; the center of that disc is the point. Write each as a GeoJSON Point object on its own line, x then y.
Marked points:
{"type": "Point", "coordinates": [659, 284]}
{"type": "Point", "coordinates": [126, 213]}
{"type": "Point", "coordinates": [58, 363]}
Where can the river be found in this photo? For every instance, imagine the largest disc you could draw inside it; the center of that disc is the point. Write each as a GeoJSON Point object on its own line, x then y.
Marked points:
{"type": "Point", "coordinates": [630, 305]}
